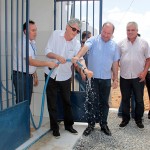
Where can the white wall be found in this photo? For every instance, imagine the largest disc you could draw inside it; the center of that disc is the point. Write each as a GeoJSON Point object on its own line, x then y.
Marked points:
{"type": "Point", "coordinates": [42, 12]}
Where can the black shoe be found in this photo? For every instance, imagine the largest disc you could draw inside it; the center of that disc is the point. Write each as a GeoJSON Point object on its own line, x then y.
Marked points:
{"type": "Point", "coordinates": [71, 130]}
{"type": "Point", "coordinates": [149, 114]}
{"type": "Point", "coordinates": [123, 123]}
{"type": "Point", "coordinates": [140, 124]}
{"type": "Point", "coordinates": [56, 134]}
{"type": "Point", "coordinates": [106, 130]}
{"type": "Point", "coordinates": [88, 130]}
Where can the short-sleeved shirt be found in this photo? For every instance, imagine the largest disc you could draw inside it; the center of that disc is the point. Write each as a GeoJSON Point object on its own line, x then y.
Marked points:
{"type": "Point", "coordinates": [18, 61]}
{"type": "Point", "coordinates": [101, 56]}
{"type": "Point", "coordinates": [133, 57]}
{"type": "Point", "coordinates": [57, 44]}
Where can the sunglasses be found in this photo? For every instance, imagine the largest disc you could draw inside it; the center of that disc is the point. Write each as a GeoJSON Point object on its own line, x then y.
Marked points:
{"type": "Point", "coordinates": [74, 29]}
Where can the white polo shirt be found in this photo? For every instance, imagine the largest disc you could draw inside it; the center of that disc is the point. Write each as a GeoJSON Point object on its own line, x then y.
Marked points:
{"type": "Point", "coordinates": [17, 56]}
{"type": "Point", "coordinates": [133, 57]}
{"type": "Point", "coordinates": [57, 44]}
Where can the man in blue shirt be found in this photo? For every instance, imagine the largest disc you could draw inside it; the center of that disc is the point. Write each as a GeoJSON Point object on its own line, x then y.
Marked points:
{"type": "Point", "coordinates": [103, 59]}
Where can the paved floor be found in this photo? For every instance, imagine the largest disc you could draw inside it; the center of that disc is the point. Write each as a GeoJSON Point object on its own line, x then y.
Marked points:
{"type": "Point", "coordinates": [128, 138]}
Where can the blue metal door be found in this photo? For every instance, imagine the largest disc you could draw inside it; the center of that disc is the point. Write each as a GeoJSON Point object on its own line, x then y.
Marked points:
{"type": "Point", "coordinates": [14, 118]}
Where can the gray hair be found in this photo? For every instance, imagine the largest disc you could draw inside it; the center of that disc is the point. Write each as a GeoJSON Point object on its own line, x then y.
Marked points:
{"type": "Point", "coordinates": [75, 21]}
{"type": "Point", "coordinates": [133, 23]}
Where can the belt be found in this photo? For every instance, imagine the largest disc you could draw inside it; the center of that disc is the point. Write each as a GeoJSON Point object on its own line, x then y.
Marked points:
{"type": "Point", "coordinates": [21, 72]}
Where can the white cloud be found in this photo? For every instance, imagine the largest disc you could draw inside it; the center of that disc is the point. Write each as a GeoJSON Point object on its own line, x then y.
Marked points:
{"type": "Point", "coordinates": [120, 14]}
{"type": "Point", "coordinates": [121, 18]}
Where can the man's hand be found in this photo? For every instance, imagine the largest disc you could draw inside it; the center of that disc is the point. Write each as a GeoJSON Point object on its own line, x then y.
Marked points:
{"type": "Point", "coordinates": [61, 59]}
{"type": "Point", "coordinates": [52, 64]}
{"type": "Point", "coordinates": [35, 81]}
{"type": "Point", "coordinates": [88, 73]}
{"type": "Point", "coordinates": [115, 84]}
{"type": "Point", "coordinates": [75, 59]}
{"type": "Point", "coordinates": [142, 76]}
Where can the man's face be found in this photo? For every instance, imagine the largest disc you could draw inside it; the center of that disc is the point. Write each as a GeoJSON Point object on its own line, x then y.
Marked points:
{"type": "Point", "coordinates": [107, 32]}
{"type": "Point", "coordinates": [132, 31]}
{"type": "Point", "coordinates": [72, 30]}
{"type": "Point", "coordinates": [32, 31]}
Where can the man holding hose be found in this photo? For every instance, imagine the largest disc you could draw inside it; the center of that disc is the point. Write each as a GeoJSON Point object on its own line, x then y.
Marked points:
{"type": "Point", "coordinates": [103, 59]}
{"type": "Point", "coordinates": [62, 45]}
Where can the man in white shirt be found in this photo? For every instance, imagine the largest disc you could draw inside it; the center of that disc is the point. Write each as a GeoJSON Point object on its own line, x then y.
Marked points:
{"type": "Point", "coordinates": [134, 64]}
{"type": "Point", "coordinates": [19, 65]}
{"type": "Point", "coordinates": [62, 45]}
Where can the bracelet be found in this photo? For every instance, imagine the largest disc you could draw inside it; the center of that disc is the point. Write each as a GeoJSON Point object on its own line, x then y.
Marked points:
{"type": "Point", "coordinates": [84, 71]}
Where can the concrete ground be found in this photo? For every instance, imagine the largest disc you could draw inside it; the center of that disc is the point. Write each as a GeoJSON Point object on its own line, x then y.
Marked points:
{"type": "Point", "coordinates": [128, 138]}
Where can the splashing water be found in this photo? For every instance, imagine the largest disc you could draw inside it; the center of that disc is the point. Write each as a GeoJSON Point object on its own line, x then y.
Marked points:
{"type": "Point", "coordinates": [91, 111]}
{"type": "Point", "coordinates": [89, 83]}
{"type": "Point", "coordinates": [88, 105]}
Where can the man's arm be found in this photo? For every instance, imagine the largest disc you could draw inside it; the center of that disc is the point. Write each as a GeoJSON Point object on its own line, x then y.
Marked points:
{"type": "Point", "coordinates": [39, 63]}
{"type": "Point", "coordinates": [142, 75]}
{"type": "Point", "coordinates": [147, 65]}
{"type": "Point", "coordinates": [115, 74]}
{"type": "Point", "coordinates": [61, 59]}
{"type": "Point", "coordinates": [81, 53]}
{"type": "Point", "coordinates": [35, 79]}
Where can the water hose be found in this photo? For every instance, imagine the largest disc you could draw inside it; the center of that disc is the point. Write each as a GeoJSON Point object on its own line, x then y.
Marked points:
{"type": "Point", "coordinates": [43, 95]}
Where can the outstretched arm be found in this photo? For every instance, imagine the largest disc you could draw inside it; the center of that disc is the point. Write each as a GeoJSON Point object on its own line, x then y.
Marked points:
{"type": "Point", "coordinates": [39, 63]}
{"type": "Point", "coordinates": [81, 53]}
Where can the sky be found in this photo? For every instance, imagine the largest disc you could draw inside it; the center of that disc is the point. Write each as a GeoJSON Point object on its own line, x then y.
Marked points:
{"type": "Point", "coordinates": [120, 12]}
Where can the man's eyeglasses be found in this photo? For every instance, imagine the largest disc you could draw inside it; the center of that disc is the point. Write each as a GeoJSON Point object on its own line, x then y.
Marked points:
{"type": "Point", "coordinates": [74, 29]}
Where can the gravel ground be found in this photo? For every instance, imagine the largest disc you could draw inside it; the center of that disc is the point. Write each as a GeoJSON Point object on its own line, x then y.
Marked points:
{"type": "Point", "coordinates": [127, 138]}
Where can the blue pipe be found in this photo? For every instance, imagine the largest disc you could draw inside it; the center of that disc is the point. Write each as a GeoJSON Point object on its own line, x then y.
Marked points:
{"type": "Point", "coordinates": [43, 96]}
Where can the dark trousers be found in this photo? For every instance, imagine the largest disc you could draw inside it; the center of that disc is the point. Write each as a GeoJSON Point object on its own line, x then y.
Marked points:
{"type": "Point", "coordinates": [147, 79]}
{"type": "Point", "coordinates": [126, 87]}
{"type": "Point", "coordinates": [98, 98]}
{"type": "Point", "coordinates": [19, 81]}
{"type": "Point", "coordinates": [64, 88]}
{"type": "Point", "coordinates": [132, 106]}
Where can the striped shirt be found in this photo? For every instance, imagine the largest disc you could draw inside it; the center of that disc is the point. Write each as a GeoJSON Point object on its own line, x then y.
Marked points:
{"type": "Point", "coordinates": [133, 57]}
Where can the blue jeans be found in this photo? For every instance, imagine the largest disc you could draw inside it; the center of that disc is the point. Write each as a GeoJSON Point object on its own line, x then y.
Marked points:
{"type": "Point", "coordinates": [132, 106]}
{"type": "Point", "coordinates": [126, 87]}
{"type": "Point", "coordinates": [19, 81]}
{"type": "Point", "coordinates": [97, 103]}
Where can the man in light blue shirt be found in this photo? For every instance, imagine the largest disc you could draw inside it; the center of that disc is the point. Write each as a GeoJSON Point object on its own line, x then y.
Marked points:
{"type": "Point", "coordinates": [103, 62]}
